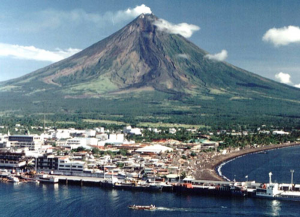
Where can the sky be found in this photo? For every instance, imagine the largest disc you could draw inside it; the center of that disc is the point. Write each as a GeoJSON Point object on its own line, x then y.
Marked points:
{"type": "Point", "coordinates": [262, 37]}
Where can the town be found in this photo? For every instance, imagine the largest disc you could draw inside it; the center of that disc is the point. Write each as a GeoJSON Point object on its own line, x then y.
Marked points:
{"type": "Point", "coordinates": [108, 154]}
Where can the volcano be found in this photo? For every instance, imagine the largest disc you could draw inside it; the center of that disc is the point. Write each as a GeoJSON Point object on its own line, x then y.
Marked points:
{"type": "Point", "coordinates": [144, 73]}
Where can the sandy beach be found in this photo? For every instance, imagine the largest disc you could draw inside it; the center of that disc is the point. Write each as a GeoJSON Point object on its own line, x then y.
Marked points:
{"type": "Point", "coordinates": [208, 170]}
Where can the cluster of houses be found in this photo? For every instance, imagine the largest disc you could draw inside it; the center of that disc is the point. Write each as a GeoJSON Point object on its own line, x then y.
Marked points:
{"type": "Point", "coordinates": [57, 151]}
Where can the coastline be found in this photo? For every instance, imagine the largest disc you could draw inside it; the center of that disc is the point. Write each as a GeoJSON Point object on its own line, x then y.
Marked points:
{"type": "Point", "coordinates": [208, 172]}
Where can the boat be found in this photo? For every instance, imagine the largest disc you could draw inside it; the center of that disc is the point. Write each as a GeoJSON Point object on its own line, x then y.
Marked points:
{"type": "Point", "coordinates": [133, 186]}
{"type": "Point", "coordinates": [47, 179]}
{"type": "Point", "coordinates": [13, 179]}
{"type": "Point", "coordinates": [138, 207]}
{"type": "Point", "coordinates": [274, 191]}
{"type": "Point", "coordinates": [228, 190]}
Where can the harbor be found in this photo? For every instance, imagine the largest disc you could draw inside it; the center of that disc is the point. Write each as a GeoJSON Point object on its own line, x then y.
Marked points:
{"type": "Point", "coordinates": [91, 199]}
{"type": "Point", "coordinates": [188, 186]}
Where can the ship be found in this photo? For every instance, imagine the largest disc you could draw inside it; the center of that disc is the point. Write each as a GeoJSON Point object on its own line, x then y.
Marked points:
{"type": "Point", "coordinates": [133, 186]}
{"type": "Point", "coordinates": [228, 189]}
{"type": "Point", "coordinates": [277, 191]}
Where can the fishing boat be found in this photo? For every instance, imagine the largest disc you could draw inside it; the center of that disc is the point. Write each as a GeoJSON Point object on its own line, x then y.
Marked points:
{"type": "Point", "coordinates": [137, 207]}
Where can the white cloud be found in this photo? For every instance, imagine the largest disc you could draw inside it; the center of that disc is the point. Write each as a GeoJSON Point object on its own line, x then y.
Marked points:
{"type": "Point", "coordinates": [297, 85]}
{"type": "Point", "coordinates": [33, 53]}
{"type": "Point", "coordinates": [183, 55]}
{"type": "Point", "coordinates": [184, 29]}
{"type": "Point", "coordinates": [283, 78]}
{"type": "Point", "coordinates": [218, 56]}
{"type": "Point", "coordinates": [128, 14]}
{"type": "Point", "coordinates": [142, 9]}
{"type": "Point", "coordinates": [283, 36]}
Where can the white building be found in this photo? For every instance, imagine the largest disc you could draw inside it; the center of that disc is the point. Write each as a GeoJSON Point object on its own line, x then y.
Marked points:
{"type": "Point", "coordinates": [65, 164]}
{"type": "Point", "coordinates": [127, 129]}
{"type": "Point", "coordinates": [4, 142]}
{"type": "Point", "coordinates": [136, 131]}
{"type": "Point", "coordinates": [90, 133]}
{"type": "Point", "coordinates": [102, 137]}
{"type": "Point", "coordinates": [75, 143]}
{"type": "Point", "coordinates": [130, 130]}
{"type": "Point", "coordinates": [62, 134]}
{"type": "Point", "coordinates": [115, 138]}
{"type": "Point", "coordinates": [154, 149]}
{"type": "Point", "coordinates": [280, 132]}
{"type": "Point", "coordinates": [92, 141]}
{"type": "Point", "coordinates": [172, 130]}
{"type": "Point", "coordinates": [32, 142]}
{"type": "Point", "coordinates": [99, 129]}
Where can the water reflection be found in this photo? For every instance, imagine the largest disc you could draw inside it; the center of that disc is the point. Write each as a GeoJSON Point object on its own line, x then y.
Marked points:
{"type": "Point", "coordinates": [56, 192]}
{"type": "Point", "coordinates": [275, 207]}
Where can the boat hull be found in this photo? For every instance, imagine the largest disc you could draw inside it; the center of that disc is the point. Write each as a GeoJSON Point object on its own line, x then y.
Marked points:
{"type": "Point", "coordinates": [149, 208]}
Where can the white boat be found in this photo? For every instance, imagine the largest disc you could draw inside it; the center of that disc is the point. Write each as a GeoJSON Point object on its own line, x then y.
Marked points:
{"type": "Point", "coordinates": [270, 190]}
{"type": "Point", "coordinates": [47, 178]}
{"type": "Point", "coordinates": [137, 207]}
{"type": "Point", "coordinates": [273, 191]}
{"type": "Point", "coordinates": [13, 179]}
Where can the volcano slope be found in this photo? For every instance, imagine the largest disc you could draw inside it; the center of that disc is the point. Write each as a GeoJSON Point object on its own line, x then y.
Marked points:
{"type": "Point", "coordinates": [144, 74]}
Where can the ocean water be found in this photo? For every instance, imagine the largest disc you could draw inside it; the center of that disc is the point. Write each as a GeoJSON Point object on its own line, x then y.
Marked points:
{"type": "Point", "coordinates": [30, 199]}
{"type": "Point", "coordinates": [258, 165]}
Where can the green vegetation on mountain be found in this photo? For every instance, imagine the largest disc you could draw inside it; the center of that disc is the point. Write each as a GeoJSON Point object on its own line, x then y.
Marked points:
{"type": "Point", "coordinates": [141, 74]}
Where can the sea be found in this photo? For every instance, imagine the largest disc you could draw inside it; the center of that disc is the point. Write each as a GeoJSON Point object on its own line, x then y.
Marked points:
{"type": "Point", "coordinates": [31, 199]}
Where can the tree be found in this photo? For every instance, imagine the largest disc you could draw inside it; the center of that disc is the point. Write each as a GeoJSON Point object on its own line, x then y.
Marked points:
{"type": "Point", "coordinates": [95, 151]}
{"type": "Point", "coordinates": [123, 152]}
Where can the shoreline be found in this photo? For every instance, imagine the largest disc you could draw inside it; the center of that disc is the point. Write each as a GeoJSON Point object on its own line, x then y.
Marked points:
{"type": "Point", "coordinates": [209, 172]}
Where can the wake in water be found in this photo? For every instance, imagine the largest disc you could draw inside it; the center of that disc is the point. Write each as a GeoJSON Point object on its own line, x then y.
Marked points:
{"type": "Point", "coordinates": [195, 210]}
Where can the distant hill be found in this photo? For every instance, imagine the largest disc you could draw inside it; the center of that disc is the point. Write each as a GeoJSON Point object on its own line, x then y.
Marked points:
{"type": "Point", "coordinates": [143, 74]}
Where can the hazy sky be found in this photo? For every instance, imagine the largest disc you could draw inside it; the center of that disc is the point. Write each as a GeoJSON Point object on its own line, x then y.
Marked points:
{"type": "Point", "coordinates": [260, 36]}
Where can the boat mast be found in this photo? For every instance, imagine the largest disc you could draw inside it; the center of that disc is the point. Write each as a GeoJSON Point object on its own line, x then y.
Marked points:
{"type": "Point", "coordinates": [270, 177]}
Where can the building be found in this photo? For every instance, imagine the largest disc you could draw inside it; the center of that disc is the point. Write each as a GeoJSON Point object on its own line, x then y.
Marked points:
{"type": "Point", "coordinates": [115, 139]}
{"type": "Point", "coordinates": [47, 162]}
{"type": "Point", "coordinates": [62, 134]}
{"type": "Point", "coordinates": [280, 132]}
{"type": "Point", "coordinates": [154, 149]}
{"type": "Point", "coordinates": [64, 164]}
{"type": "Point", "coordinates": [12, 160]}
{"type": "Point", "coordinates": [3, 142]}
{"type": "Point", "coordinates": [75, 143]}
{"type": "Point", "coordinates": [134, 131]}
{"type": "Point", "coordinates": [32, 142]}
{"type": "Point", "coordinates": [207, 144]}
{"type": "Point", "coordinates": [90, 133]}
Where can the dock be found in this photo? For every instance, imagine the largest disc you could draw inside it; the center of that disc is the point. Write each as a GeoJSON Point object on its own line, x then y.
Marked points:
{"type": "Point", "coordinates": [190, 187]}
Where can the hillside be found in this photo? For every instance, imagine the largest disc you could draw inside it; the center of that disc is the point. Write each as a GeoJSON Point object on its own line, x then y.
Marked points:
{"type": "Point", "coordinates": [143, 74]}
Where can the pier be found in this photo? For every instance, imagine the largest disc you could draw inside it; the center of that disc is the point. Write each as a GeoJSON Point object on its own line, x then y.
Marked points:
{"type": "Point", "coordinates": [190, 187]}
